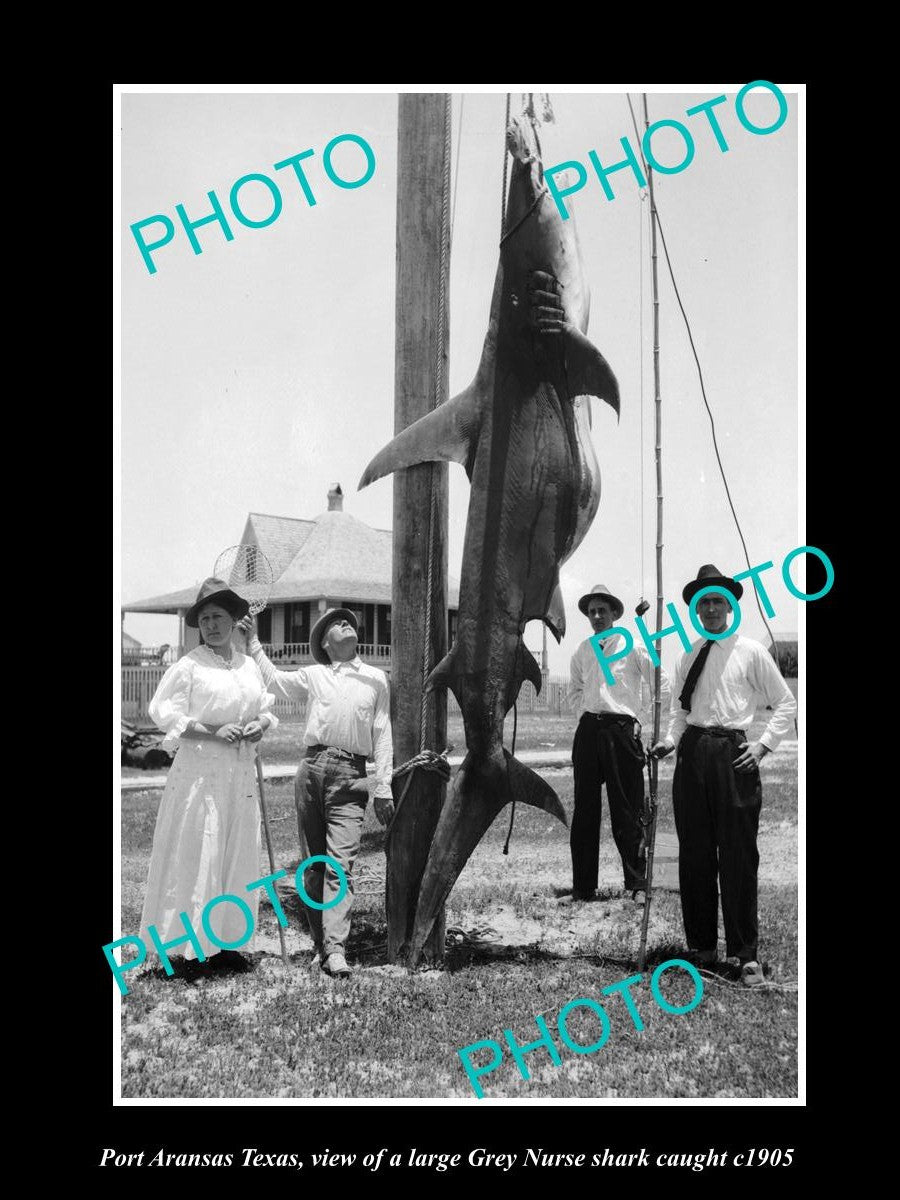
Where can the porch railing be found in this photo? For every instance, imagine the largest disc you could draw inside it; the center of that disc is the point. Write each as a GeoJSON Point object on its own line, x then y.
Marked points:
{"type": "Point", "coordinates": [149, 656]}
{"type": "Point", "coordinates": [297, 653]}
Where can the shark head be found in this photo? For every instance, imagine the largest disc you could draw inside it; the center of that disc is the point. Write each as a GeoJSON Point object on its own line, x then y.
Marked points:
{"type": "Point", "coordinates": [527, 180]}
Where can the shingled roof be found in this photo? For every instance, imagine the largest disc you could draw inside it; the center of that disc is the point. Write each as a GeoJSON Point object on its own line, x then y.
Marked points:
{"type": "Point", "coordinates": [335, 556]}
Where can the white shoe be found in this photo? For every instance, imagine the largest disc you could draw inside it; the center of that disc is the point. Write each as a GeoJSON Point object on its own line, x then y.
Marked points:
{"type": "Point", "coordinates": [335, 964]}
{"type": "Point", "coordinates": [752, 974]}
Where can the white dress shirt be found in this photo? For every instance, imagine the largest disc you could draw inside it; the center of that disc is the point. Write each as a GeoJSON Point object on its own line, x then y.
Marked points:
{"type": "Point", "coordinates": [631, 694]}
{"type": "Point", "coordinates": [738, 677]}
{"type": "Point", "coordinates": [349, 708]}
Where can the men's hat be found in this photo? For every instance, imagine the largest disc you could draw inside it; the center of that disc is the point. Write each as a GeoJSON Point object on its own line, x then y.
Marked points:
{"type": "Point", "coordinates": [710, 576]}
{"type": "Point", "coordinates": [216, 591]}
{"type": "Point", "coordinates": [601, 592]}
{"type": "Point", "coordinates": [316, 649]}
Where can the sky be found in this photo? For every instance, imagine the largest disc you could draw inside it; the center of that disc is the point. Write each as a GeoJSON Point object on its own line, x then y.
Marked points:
{"type": "Point", "coordinates": [259, 372]}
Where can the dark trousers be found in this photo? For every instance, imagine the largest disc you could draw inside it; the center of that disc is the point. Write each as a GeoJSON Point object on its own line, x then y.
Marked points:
{"type": "Point", "coordinates": [717, 818]}
{"type": "Point", "coordinates": [330, 809]}
{"type": "Point", "coordinates": [607, 751]}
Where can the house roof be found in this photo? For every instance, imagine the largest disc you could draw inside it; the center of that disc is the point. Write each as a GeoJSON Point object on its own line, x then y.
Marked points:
{"type": "Point", "coordinates": [334, 555]}
{"type": "Point", "coordinates": [169, 602]}
{"type": "Point", "coordinates": [279, 538]}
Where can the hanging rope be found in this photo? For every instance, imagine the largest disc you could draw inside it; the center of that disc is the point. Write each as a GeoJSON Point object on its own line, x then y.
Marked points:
{"type": "Point", "coordinates": [440, 351]}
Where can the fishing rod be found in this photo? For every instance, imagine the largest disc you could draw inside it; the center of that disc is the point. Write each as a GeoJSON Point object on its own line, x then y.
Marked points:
{"type": "Point", "coordinates": [650, 807]}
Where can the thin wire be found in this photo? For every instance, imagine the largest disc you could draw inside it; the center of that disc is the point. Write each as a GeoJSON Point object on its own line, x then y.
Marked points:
{"type": "Point", "coordinates": [462, 101]}
{"type": "Point", "coordinates": [703, 392]}
{"type": "Point", "coordinates": [512, 811]}
{"type": "Point", "coordinates": [641, 361]}
{"type": "Point", "coordinates": [713, 427]}
{"type": "Point", "coordinates": [505, 165]}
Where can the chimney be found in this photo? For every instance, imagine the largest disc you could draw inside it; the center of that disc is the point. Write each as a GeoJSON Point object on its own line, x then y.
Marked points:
{"type": "Point", "coordinates": [335, 498]}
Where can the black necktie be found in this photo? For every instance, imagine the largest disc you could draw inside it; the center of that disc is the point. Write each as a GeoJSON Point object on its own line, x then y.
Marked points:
{"type": "Point", "coordinates": [693, 675]}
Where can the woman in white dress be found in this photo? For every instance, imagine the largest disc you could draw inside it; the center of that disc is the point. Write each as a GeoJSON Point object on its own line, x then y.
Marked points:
{"type": "Point", "coordinates": [214, 707]}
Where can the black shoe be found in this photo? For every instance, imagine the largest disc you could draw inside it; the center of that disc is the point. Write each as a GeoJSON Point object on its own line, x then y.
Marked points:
{"type": "Point", "coordinates": [230, 960]}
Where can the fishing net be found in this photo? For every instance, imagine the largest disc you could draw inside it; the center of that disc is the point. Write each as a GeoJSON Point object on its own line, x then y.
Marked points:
{"type": "Point", "coordinates": [248, 572]}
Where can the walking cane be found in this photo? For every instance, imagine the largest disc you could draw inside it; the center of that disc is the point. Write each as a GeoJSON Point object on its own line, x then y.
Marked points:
{"type": "Point", "coordinates": [649, 823]}
{"type": "Point", "coordinates": [265, 817]}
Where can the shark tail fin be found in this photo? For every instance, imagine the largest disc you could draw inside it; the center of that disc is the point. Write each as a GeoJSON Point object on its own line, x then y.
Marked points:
{"type": "Point", "coordinates": [480, 789]}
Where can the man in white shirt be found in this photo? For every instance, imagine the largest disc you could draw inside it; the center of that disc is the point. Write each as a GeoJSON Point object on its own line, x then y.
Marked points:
{"type": "Point", "coordinates": [348, 720]}
{"type": "Point", "coordinates": [717, 794]}
{"type": "Point", "coordinates": [608, 748]}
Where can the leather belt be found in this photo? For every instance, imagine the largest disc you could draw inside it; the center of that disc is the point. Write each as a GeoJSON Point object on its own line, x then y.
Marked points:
{"type": "Point", "coordinates": [716, 731]}
{"type": "Point", "coordinates": [608, 716]}
{"type": "Point", "coordinates": [311, 751]}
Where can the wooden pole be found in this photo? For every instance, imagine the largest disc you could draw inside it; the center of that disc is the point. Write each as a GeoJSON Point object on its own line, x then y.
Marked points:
{"type": "Point", "coordinates": [419, 627]}
{"type": "Point", "coordinates": [657, 402]}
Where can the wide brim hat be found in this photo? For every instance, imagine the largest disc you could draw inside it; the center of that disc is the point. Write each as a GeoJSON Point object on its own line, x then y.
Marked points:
{"type": "Point", "coordinates": [216, 591]}
{"type": "Point", "coordinates": [319, 629]}
{"type": "Point", "coordinates": [711, 577]}
{"type": "Point", "coordinates": [601, 592]}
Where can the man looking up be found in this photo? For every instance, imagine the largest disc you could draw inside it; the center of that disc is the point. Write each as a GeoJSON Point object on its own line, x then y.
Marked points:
{"type": "Point", "coordinates": [348, 720]}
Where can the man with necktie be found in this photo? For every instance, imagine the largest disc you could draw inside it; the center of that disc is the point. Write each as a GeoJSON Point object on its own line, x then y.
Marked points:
{"type": "Point", "coordinates": [716, 791]}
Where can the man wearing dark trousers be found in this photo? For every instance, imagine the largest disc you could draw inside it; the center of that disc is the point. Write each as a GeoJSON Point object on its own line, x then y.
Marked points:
{"type": "Point", "coordinates": [716, 791]}
{"type": "Point", "coordinates": [608, 750]}
{"type": "Point", "coordinates": [348, 720]}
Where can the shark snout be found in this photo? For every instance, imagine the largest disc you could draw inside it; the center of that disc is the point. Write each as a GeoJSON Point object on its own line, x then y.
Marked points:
{"type": "Point", "coordinates": [520, 141]}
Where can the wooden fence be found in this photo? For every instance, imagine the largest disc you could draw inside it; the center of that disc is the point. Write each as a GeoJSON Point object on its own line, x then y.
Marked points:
{"type": "Point", "coordinates": [138, 686]}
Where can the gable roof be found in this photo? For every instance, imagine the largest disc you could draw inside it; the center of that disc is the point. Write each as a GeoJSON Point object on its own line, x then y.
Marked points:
{"type": "Point", "coordinates": [279, 538]}
{"type": "Point", "coordinates": [335, 555]}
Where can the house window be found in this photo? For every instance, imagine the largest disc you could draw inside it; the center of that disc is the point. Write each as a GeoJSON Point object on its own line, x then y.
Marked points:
{"type": "Point", "coordinates": [384, 624]}
{"type": "Point", "coordinates": [365, 616]}
{"type": "Point", "coordinates": [264, 625]}
{"type": "Point", "coordinates": [296, 621]}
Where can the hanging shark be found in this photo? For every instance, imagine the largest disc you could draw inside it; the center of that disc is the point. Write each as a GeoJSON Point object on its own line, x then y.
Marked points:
{"type": "Point", "coordinates": [522, 432]}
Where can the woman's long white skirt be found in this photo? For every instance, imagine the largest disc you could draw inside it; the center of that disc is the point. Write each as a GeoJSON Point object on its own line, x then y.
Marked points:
{"type": "Point", "coordinates": [206, 844]}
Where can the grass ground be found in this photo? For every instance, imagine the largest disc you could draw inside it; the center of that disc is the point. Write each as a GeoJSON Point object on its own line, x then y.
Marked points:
{"type": "Point", "coordinates": [516, 947]}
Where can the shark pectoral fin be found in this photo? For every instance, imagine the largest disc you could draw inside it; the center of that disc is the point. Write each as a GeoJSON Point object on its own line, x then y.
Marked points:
{"type": "Point", "coordinates": [555, 617]}
{"type": "Point", "coordinates": [588, 372]}
{"type": "Point", "coordinates": [526, 668]}
{"type": "Point", "coordinates": [447, 434]}
{"type": "Point", "coordinates": [527, 787]}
